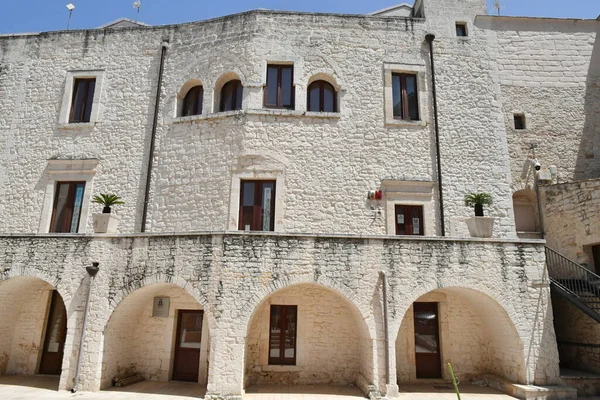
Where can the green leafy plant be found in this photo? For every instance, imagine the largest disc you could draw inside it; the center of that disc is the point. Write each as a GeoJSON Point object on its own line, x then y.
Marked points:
{"type": "Point", "coordinates": [107, 200]}
{"type": "Point", "coordinates": [477, 201]}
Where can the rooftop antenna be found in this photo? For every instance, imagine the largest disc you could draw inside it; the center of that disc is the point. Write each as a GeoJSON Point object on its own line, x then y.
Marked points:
{"type": "Point", "coordinates": [70, 7]}
{"type": "Point", "coordinates": [497, 6]}
{"type": "Point", "coordinates": [137, 5]}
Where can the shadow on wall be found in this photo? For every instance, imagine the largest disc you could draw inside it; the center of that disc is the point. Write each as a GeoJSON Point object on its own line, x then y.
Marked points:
{"type": "Point", "coordinates": [588, 157]}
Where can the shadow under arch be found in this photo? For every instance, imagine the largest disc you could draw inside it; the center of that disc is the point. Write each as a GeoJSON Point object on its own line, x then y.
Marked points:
{"type": "Point", "coordinates": [478, 334]}
{"type": "Point", "coordinates": [334, 343]}
{"type": "Point", "coordinates": [136, 342]}
{"type": "Point", "coordinates": [28, 343]}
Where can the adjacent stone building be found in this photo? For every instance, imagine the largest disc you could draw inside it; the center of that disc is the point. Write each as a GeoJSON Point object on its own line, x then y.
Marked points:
{"type": "Point", "coordinates": [294, 196]}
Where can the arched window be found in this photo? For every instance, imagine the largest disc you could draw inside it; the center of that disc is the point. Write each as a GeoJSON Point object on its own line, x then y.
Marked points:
{"type": "Point", "coordinates": [322, 97]}
{"type": "Point", "coordinates": [192, 102]}
{"type": "Point", "coordinates": [231, 96]}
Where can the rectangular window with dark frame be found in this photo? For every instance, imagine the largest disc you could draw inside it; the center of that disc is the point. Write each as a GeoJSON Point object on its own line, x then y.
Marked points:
{"type": "Point", "coordinates": [282, 335]}
{"type": "Point", "coordinates": [461, 29]}
{"type": "Point", "coordinates": [280, 91]}
{"type": "Point", "coordinates": [67, 207]}
{"type": "Point", "coordinates": [409, 220]}
{"type": "Point", "coordinates": [83, 99]}
{"type": "Point", "coordinates": [257, 206]}
{"type": "Point", "coordinates": [405, 97]}
{"type": "Point", "coordinates": [519, 121]}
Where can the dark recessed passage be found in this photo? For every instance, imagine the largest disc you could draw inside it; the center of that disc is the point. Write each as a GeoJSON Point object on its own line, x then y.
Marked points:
{"type": "Point", "coordinates": [519, 121]}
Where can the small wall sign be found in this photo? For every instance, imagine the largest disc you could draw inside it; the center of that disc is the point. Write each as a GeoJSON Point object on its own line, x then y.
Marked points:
{"type": "Point", "coordinates": [161, 307]}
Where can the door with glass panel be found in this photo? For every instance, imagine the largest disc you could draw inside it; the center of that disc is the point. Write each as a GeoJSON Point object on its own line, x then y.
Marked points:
{"type": "Point", "coordinates": [257, 206]}
{"type": "Point", "coordinates": [427, 340]}
{"type": "Point", "coordinates": [67, 207]}
{"type": "Point", "coordinates": [282, 335]}
{"type": "Point", "coordinates": [54, 341]}
{"type": "Point", "coordinates": [187, 345]}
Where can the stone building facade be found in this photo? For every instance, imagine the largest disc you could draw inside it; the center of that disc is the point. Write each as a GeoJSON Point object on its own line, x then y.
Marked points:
{"type": "Point", "coordinates": [340, 184]}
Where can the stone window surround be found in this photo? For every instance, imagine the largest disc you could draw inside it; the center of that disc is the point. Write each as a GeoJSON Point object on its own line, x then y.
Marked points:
{"type": "Point", "coordinates": [234, 205]}
{"type": "Point", "coordinates": [65, 171]}
{"type": "Point", "coordinates": [65, 109]}
{"type": "Point", "coordinates": [212, 94]}
{"type": "Point", "coordinates": [412, 193]}
{"type": "Point", "coordinates": [416, 69]}
{"type": "Point", "coordinates": [467, 29]}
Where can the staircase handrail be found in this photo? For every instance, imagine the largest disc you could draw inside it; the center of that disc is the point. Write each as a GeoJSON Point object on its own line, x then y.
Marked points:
{"type": "Point", "coordinates": [571, 262]}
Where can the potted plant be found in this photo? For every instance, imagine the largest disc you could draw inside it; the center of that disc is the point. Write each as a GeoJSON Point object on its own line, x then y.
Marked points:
{"type": "Point", "coordinates": [106, 222]}
{"type": "Point", "coordinates": [479, 225]}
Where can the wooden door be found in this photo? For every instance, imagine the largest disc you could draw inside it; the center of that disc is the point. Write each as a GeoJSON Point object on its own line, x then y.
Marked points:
{"type": "Point", "coordinates": [596, 255]}
{"type": "Point", "coordinates": [187, 345]}
{"type": "Point", "coordinates": [427, 340]}
{"type": "Point", "coordinates": [56, 332]}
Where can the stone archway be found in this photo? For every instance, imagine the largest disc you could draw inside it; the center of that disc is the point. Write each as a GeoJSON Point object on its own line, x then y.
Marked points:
{"type": "Point", "coordinates": [526, 211]}
{"type": "Point", "coordinates": [476, 335]}
{"type": "Point", "coordinates": [333, 344]}
{"type": "Point", "coordinates": [29, 344]}
{"type": "Point", "coordinates": [139, 339]}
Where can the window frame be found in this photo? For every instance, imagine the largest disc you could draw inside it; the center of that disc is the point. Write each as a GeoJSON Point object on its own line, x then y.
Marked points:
{"type": "Point", "coordinates": [521, 118]}
{"type": "Point", "coordinates": [322, 83]}
{"type": "Point", "coordinates": [405, 110]}
{"type": "Point", "coordinates": [278, 103]}
{"type": "Point", "coordinates": [421, 219]}
{"type": "Point", "coordinates": [86, 110]}
{"type": "Point", "coordinates": [71, 196]}
{"type": "Point", "coordinates": [461, 25]}
{"type": "Point", "coordinates": [197, 101]}
{"type": "Point", "coordinates": [258, 183]}
{"type": "Point", "coordinates": [64, 117]}
{"type": "Point", "coordinates": [238, 90]}
{"type": "Point", "coordinates": [282, 360]}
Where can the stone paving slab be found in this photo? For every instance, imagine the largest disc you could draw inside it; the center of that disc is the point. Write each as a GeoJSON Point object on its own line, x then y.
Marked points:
{"type": "Point", "coordinates": [44, 387]}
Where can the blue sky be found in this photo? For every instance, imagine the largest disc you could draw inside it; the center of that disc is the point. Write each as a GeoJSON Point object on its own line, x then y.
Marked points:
{"type": "Point", "coordinates": [48, 15]}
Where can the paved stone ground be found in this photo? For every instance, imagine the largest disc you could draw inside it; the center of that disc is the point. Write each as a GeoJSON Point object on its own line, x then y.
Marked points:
{"type": "Point", "coordinates": [44, 387]}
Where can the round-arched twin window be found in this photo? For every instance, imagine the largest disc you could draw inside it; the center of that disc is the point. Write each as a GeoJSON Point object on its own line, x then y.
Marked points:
{"type": "Point", "coordinates": [192, 102]}
{"type": "Point", "coordinates": [231, 96]}
{"type": "Point", "coordinates": [322, 97]}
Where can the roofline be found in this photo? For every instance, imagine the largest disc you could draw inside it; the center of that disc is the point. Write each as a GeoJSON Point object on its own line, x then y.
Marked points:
{"type": "Point", "coordinates": [122, 20]}
{"type": "Point", "coordinates": [390, 8]}
{"type": "Point", "coordinates": [523, 18]}
{"type": "Point", "coordinates": [221, 18]}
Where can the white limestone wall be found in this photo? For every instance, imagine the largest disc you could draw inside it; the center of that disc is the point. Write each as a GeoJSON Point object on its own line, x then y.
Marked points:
{"type": "Point", "coordinates": [571, 219]}
{"type": "Point", "coordinates": [331, 340]}
{"type": "Point", "coordinates": [476, 337]}
{"type": "Point", "coordinates": [549, 70]}
{"type": "Point", "coordinates": [135, 342]}
{"type": "Point", "coordinates": [326, 164]}
{"type": "Point", "coordinates": [231, 275]}
{"type": "Point", "coordinates": [25, 302]}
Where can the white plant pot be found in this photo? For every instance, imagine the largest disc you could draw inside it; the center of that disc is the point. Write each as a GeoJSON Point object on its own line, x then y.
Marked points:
{"type": "Point", "coordinates": [105, 223]}
{"type": "Point", "coordinates": [481, 227]}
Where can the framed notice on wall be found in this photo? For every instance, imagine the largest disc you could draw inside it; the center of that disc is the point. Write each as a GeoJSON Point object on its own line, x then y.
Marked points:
{"type": "Point", "coordinates": [160, 307]}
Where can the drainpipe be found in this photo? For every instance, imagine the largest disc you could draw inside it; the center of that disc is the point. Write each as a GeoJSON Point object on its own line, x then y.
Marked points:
{"type": "Point", "coordinates": [430, 37]}
{"type": "Point", "coordinates": [164, 46]}
{"type": "Point", "coordinates": [385, 328]}
{"type": "Point", "coordinates": [92, 271]}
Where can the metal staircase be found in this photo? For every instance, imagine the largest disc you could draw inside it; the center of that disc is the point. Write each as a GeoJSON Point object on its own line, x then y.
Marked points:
{"type": "Point", "coordinates": [575, 283]}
